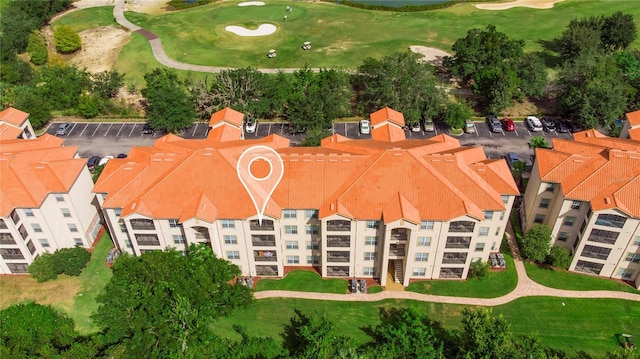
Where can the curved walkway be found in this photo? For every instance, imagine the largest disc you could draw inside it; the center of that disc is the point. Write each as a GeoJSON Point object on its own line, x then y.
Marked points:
{"type": "Point", "coordinates": [162, 57]}
{"type": "Point", "coordinates": [525, 288]}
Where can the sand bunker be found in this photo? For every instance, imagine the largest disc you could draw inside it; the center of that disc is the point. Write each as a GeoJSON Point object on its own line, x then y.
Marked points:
{"type": "Point", "coordinates": [430, 54]}
{"type": "Point", "coordinates": [251, 3]}
{"type": "Point", "coordinates": [535, 4]}
{"type": "Point", "coordinates": [262, 30]}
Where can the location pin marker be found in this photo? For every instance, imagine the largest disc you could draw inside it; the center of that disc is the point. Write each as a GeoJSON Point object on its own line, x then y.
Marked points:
{"type": "Point", "coordinates": [260, 169]}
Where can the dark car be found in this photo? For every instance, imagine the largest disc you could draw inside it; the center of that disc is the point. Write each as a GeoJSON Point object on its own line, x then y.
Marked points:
{"type": "Point", "coordinates": [574, 126]}
{"type": "Point", "coordinates": [122, 155]}
{"type": "Point", "coordinates": [511, 159]}
{"type": "Point", "coordinates": [508, 125]}
{"type": "Point", "coordinates": [93, 161]}
{"type": "Point", "coordinates": [494, 124]}
{"type": "Point", "coordinates": [548, 124]}
{"type": "Point", "coordinates": [147, 129]}
{"type": "Point", "coordinates": [64, 129]}
{"type": "Point", "coordinates": [562, 127]}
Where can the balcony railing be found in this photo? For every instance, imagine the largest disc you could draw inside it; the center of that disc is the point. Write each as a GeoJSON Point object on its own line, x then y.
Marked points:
{"type": "Point", "coordinates": [458, 242]}
{"type": "Point", "coordinates": [454, 258]}
{"type": "Point", "coordinates": [338, 257]}
{"type": "Point", "coordinates": [338, 241]}
{"type": "Point", "coordinates": [263, 240]}
{"type": "Point", "coordinates": [267, 270]}
{"type": "Point", "coordinates": [339, 226]}
{"type": "Point", "coordinates": [399, 234]}
{"type": "Point", "coordinates": [397, 251]}
{"type": "Point", "coordinates": [265, 256]}
{"type": "Point", "coordinates": [266, 225]}
{"type": "Point", "coordinates": [334, 271]}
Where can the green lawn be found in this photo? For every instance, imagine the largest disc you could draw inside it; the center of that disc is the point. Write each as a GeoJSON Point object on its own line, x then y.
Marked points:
{"type": "Point", "coordinates": [494, 284]}
{"type": "Point", "coordinates": [87, 18]}
{"type": "Point", "coordinates": [573, 281]}
{"type": "Point", "coordinates": [587, 325]}
{"type": "Point", "coordinates": [304, 281]}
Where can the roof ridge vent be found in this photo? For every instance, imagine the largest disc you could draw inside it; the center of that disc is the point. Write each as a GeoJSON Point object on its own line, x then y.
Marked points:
{"type": "Point", "coordinates": [607, 200]}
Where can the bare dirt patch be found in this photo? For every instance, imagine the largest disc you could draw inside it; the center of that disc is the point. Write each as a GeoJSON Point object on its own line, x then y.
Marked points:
{"type": "Point", "coordinates": [430, 54]}
{"type": "Point", "coordinates": [151, 7]}
{"type": "Point", "coordinates": [100, 48]}
{"type": "Point", "coordinates": [535, 4]}
{"type": "Point", "coordinates": [19, 289]}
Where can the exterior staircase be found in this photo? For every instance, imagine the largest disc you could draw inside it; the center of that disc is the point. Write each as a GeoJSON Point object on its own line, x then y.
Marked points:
{"type": "Point", "coordinates": [399, 276]}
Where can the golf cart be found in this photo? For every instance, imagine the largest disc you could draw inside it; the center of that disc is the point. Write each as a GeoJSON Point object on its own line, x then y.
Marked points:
{"type": "Point", "coordinates": [306, 45]}
{"type": "Point", "coordinates": [271, 54]}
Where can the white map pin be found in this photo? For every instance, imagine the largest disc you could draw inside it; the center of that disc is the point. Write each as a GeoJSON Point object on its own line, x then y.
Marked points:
{"type": "Point", "coordinates": [259, 185]}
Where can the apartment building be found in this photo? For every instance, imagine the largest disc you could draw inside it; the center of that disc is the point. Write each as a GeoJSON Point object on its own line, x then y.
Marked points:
{"type": "Point", "coordinates": [46, 201]}
{"type": "Point", "coordinates": [15, 124]}
{"type": "Point", "coordinates": [587, 190]}
{"type": "Point", "coordinates": [386, 207]}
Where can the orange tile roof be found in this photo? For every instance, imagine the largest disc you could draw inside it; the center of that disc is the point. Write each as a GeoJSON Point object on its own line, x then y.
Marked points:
{"type": "Point", "coordinates": [387, 125]}
{"type": "Point", "coordinates": [633, 118]}
{"type": "Point", "coordinates": [31, 169]}
{"type": "Point", "coordinates": [8, 132]}
{"type": "Point", "coordinates": [634, 134]}
{"type": "Point", "coordinates": [412, 179]}
{"type": "Point", "coordinates": [595, 168]}
{"type": "Point", "coordinates": [387, 114]}
{"type": "Point", "coordinates": [228, 115]}
{"type": "Point", "coordinates": [225, 133]}
{"type": "Point", "coordinates": [13, 116]}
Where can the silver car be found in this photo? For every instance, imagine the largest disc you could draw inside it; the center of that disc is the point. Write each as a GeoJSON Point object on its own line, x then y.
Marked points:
{"type": "Point", "coordinates": [64, 129]}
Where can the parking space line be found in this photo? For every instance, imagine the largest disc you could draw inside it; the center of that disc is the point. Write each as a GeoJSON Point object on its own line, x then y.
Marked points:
{"type": "Point", "coordinates": [516, 132]}
{"type": "Point", "coordinates": [132, 128]}
{"type": "Point", "coordinates": [84, 129]}
{"type": "Point", "coordinates": [74, 126]}
{"type": "Point", "coordinates": [269, 132]}
{"type": "Point", "coordinates": [94, 131]}
{"type": "Point", "coordinates": [108, 129]}
{"type": "Point", "coordinates": [346, 130]}
{"type": "Point", "coordinates": [120, 130]}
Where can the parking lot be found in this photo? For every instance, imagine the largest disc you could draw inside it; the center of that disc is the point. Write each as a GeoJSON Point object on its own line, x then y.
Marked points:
{"type": "Point", "coordinates": [113, 138]}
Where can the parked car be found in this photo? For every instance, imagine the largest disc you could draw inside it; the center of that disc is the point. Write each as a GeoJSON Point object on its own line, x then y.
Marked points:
{"type": "Point", "coordinates": [511, 159]}
{"type": "Point", "coordinates": [574, 126]}
{"type": "Point", "coordinates": [494, 124]}
{"type": "Point", "coordinates": [251, 125]}
{"type": "Point", "coordinates": [534, 124]}
{"type": "Point", "coordinates": [548, 124]}
{"type": "Point", "coordinates": [64, 129]}
{"type": "Point", "coordinates": [147, 129]}
{"type": "Point", "coordinates": [562, 126]}
{"type": "Point", "coordinates": [365, 127]}
{"type": "Point", "coordinates": [415, 127]}
{"type": "Point", "coordinates": [429, 126]}
{"type": "Point", "coordinates": [508, 125]}
{"type": "Point", "coordinates": [469, 127]}
{"type": "Point", "coordinates": [93, 161]}
{"type": "Point", "coordinates": [121, 155]}
{"type": "Point", "coordinates": [104, 160]}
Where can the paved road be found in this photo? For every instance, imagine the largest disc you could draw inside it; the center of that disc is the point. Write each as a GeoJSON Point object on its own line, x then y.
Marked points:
{"type": "Point", "coordinates": [525, 288]}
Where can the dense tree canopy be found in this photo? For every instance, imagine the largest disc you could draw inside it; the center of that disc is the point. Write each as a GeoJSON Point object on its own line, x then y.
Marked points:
{"type": "Point", "coordinates": [536, 243]}
{"type": "Point", "coordinates": [168, 105]}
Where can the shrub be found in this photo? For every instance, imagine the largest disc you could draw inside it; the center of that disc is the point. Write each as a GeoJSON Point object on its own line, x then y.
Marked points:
{"type": "Point", "coordinates": [559, 257]}
{"type": "Point", "coordinates": [67, 40]}
{"type": "Point", "coordinates": [69, 261]}
{"type": "Point", "coordinates": [536, 242]}
{"type": "Point", "coordinates": [478, 269]}
{"type": "Point", "coordinates": [88, 106]}
{"type": "Point", "coordinates": [43, 268]}
{"type": "Point", "coordinates": [37, 48]}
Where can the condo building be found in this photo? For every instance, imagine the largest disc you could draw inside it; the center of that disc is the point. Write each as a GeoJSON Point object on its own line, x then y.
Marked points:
{"type": "Point", "coordinates": [587, 190]}
{"type": "Point", "coordinates": [46, 201]}
{"type": "Point", "coordinates": [15, 124]}
{"type": "Point", "coordinates": [387, 207]}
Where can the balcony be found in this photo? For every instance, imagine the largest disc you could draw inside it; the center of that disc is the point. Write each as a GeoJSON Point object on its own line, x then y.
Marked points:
{"type": "Point", "coordinates": [337, 271]}
{"type": "Point", "coordinates": [337, 257]}
{"type": "Point", "coordinates": [458, 242]}
{"type": "Point", "coordinates": [462, 226]}
{"type": "Point", "coordinates": [202, 233]}
{"type": "Point", "coordinates": [339, 226]}
{"type": "Point", "coordinates": [265, 256]}
{"type": "Point", "coordinates": [264, 240]}
{"type": "Point", "coordinates": [454, 258]}
{"type": "Point", "coordinates": [338, 241]}
{"type": "Point", "coordinates": [267, 270]}
{"type": "Point", "coordinates": [399, 234]}
{"type": "Point", "coordinates": [11, 253]}
{"type": "Point", "coordinates": [397, 250]}
{"type": "Point", "coordinates": [266, 225]}
{"type": "Point", "coordinates": [142, 224]}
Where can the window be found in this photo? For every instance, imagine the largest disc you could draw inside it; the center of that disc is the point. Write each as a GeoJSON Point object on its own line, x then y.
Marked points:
{"type": "Point", "coordinates": [289, 229]}
{"type": "Point", "coordinates": [550, 187]}
{"type": "Point", "coordinates": [263, 240]}
{"type": "Point", "coordinates": [14, 217]}
{"type": "Point", "coordinates": [228, 223]}
{"type": "Point", "coordinates": [18, 267]}
{"type": "Point", "coordinates": [123, 227]}
{"type": "Point", "coordinates": [117, 212]}
{"type": "Point", "coordinates": [312, 229]}
{"type": "Point", "coordinates": [65, 212]}
{"type": "Point", "coordinates": [293, 259]}
{"type": "Point", "coordinates": [484, 231]}
{"type": "Point", "coordinates": [595, 252]}
{"type": "Point", "coordinates": [544, 203]}
{"type": "Point", "coordinates": [424, 241]}
{"type": "Point", "coordinates": [369, 256]}
{"type": "Point", "coordinates": [479, 247]}
{"type": "Point", "coordinates": [505, 199]}
{"type": "Point", "coordinates": [310, 213]}
{"type": "Point", "coordinates": [23, 232]}
{"type": "Point", "coordinates": [625, 273]}
{"type": "Point", "coordinates": [588, 267]}
{"type": "Point", "coordinates": [291, 244]}
{"type": "Point", "coordinates": [563, 236]}
{"type": "Point", "coordinates": [289, 213]}
{"type": "Point", "coordinates": [371, 241]}
{"type": "Point", "coordinates": [497, 231]}
{"type": "Point", "coordinates": [313, 245]}
{"type": "Point", "coordinates": [461, 226]}
{"type": "Point", "coordinates": [147, 240]}
{"type": "Point", "coordinates": [493, 246]}
{"type": "Point", "coordinates": [72, 227]}
{"type": "Point", "coordinates": [7, 238]}
{"type": "Point", "coordinates": [11, 253]}
{"type": "Point", "coordinates": [59, 198]}
{"type": "Point", "coordinates": [28, 212]}
{"type": "Point", "coordinates": [338, 241]}
{"type": "Point", "coordinates": [422, 257]}
{"type": "Point", "coordinates": [230, 239]}
{"type": "Point", "coordinates": [419, 272]}
{"type": "Point", "coordinates": [233, 255]}
{"type": "Point", "coordinates": [501, 215]}
{"type": "Point", "coordinates": [539, 218]}
{"type": "Point", "coordinates": [603, 236]}
{"type": "Point", "coordinates": [488, 214]}
{"type": "Point", "coordinates": [637, 241]}
{"type": "Point", "coordinates": [44, 243]}
{"type": "Point", "coordinates": [36, 228]}
{"type": "Point", "coordinates": [569, 221]}
{"type": "Point", "coordinates": [633, 257]}
{"type": "Point", "coordinates": [372, 224]}
{"type": "Point", "coordinates": [178, 239]}
{"type": "Point", "coordinates": [142, 224]}
{"type": "Point", "coordinates": [576, 204]}
{"type": "Point", "coordinates": [426, 225]}
{"type": "Point", "coordinates": [78, 242]}
{"type": "Point", "coordinates": [173, 223]}
{"type": "Point", "coordinates": [368, 271]}
{"type": "Point", "coordinates": [31, 247]}
{"type": "Point", "coordinates": [313, 260]}
{"type": "Point", "coordinates": [610, 220]}
{"type": "Point", "coordinates": [127, 243]}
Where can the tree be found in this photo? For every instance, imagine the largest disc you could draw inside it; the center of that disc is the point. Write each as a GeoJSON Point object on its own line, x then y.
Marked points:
{"type": "Point", "coordinates": [31, 100]}
{"type": "Point", "coordinates": [627, 353]}
{"type": "Point", "coordinates": [67, 39]}
{"type": "Point", "coordinates": [312, 337]}
{"type": "Point", "coordinates": [43, 268]}
{"type": "Point", "coordinates": [618, 31]}
{"type": "Point", "coordinates": [88, 106]}
{"type": "Point", "coordinates": [245, 90]}
{"type": "Point", "coordinates": [496, 86]}
{"type": "Point", "coordinates": [167, 298]}
{"type": "Point", "coordinates": [538, 142]}
{"type": "Point", "coordinates": [457, 113]}
{"type": "Point", "coordinates": [406, 333]}
{"type": "Point", "coordinates": [559, 257]}
{"type": "Point", "coordinates": [32, 330]}
{"type": "Point", "coordinates": [69, 261]}
{"type": "Point", "coordinates": [536, 242]}
{"type": "Point", "coordinates": [580, 36]}
{"type": "Point", "coordinates": [61, 86]}
{"type": "Point", "coordinates": [15, 71]}
{"type": "Point", "coordinates": [478, 269]}
{"type": "Point", "coordinates": [532, 73]}
{"type": "Point", "coordinates": [106, 83]}
{"type": "Point", "coordinates": [37, 48]}
{"type": "Point", "coordinates": [485, 336]}
{"type": "Point", "coordinates": [168, 105]}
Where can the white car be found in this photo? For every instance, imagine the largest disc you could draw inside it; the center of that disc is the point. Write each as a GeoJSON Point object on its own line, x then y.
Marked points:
{"type": "Point", "coordinates": [251, 126]}
{"type": "Point", "coordinates": [365, 127]}
{"type": "Point", "coordinates": [534, 124]}
{"type": "Point", "coordinates": [415, 127]}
